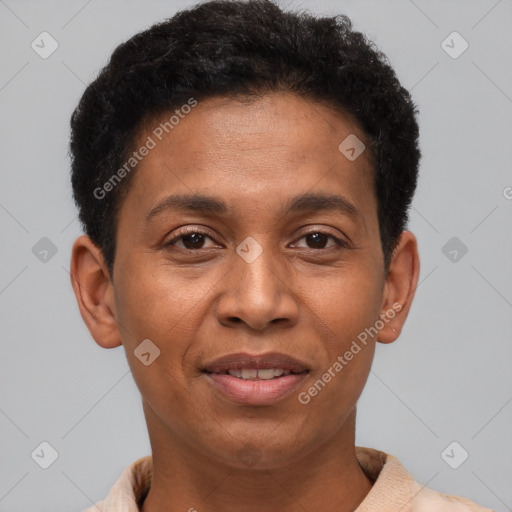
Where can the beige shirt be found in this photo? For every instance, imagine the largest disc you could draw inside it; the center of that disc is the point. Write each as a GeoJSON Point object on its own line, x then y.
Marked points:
{"type": "Point", "coordinates": [394, 490]}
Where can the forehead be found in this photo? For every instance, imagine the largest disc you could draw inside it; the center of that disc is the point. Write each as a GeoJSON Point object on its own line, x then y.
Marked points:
{"type": "Point", "coordinates": [251, 152]}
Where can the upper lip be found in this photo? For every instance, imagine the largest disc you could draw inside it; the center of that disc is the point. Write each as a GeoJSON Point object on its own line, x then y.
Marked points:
{"type": "Point", "coordinates": [243, 360]}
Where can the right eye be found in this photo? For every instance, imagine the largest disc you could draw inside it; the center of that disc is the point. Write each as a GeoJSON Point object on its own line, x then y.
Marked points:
{"type": "Point", "coordinates": [192, 239]}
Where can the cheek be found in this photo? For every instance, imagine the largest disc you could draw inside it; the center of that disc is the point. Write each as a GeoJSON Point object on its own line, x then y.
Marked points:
{"type": "Point", "coordinates": [151, 307]}
{"type": "Point", "coordinates": [333, 390]}
{"type": "Point", "coordinates": [346, 304]}
{"type": "Point", "coordinates": [155, 301]}
{"type": "Point", "coordinates": [346, 307]}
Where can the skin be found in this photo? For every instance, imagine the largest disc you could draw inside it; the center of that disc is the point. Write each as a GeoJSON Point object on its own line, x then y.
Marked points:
{"type": "Point", "coordinates": [303, 296]}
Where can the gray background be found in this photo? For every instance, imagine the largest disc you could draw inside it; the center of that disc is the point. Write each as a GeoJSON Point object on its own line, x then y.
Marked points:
{"type": "Point", "coordinates": [446, 379]}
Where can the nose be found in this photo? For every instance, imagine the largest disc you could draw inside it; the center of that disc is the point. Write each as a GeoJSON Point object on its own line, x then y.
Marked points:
{"type": "Point", "coordinates": [258, 293]}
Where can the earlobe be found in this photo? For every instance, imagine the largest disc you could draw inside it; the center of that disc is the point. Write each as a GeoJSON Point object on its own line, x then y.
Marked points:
{"type": "Point", "coordinates": [94, 292]}
{"type": "Point", "coordinates": [399, 288]}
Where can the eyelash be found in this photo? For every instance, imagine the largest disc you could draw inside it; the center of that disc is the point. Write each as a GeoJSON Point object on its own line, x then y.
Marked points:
{"type": "Point", "coordinates": [193, 231]}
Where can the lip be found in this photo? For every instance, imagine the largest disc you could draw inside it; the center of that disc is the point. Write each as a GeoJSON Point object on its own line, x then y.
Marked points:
{"type": "Point", "coordinates": [243, 360]}
{"type": "Point", "coordinates": [255, 392]}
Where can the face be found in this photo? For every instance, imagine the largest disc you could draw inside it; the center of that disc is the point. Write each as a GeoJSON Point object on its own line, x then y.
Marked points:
{"type": "Point", "coordinates": [281, 255]}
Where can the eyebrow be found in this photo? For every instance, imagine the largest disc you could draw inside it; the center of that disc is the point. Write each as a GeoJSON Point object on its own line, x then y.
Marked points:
{"type": "Point", "coordinates": [209, 205]}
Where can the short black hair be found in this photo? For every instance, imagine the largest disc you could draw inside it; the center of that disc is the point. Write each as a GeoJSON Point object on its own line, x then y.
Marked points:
{"type": "Point", "coordinates": [237, 49]}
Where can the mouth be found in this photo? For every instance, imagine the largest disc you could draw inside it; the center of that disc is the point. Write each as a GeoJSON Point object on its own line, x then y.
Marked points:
{"type": "Point", "coordinates": [255, 379]}
{"type": "Point", "coordinates": [263, 366]}
{"type": "Point", "coordinates": [257, 374]}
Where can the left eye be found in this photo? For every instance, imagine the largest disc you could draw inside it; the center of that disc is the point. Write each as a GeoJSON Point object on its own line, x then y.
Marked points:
{"type": "Point", "coordinates": [319, 239]}
{"type": "Point", "coordinates": [194, 240]}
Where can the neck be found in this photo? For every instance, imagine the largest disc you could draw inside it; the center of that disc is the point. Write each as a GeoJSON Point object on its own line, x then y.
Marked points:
{"type": "Point", "coordinates": [329, 478]}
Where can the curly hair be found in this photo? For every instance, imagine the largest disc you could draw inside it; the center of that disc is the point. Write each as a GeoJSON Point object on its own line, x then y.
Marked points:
{"type": "Point", "coordinates": [237, 49]}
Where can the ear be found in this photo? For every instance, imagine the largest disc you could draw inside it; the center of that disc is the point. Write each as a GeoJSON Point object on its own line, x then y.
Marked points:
{"type": "Point", "coordinates": [400, 287]}
{"type": "Point", "coordinates": [94, 292]}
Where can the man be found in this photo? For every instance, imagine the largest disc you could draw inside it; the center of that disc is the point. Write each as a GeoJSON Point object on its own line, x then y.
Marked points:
{"type": "Point", "coordinates": [243, 177]}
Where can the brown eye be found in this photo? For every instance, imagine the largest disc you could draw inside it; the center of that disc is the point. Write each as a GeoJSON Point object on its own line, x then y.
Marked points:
{"type": "Point", "coordinates": [319, 240]}
{"type": "Point", "coordinates": [191, 240]}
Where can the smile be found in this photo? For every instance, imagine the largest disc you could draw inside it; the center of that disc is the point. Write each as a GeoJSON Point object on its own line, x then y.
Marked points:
{"type": "Point", "coordinates": [262, 374]}
{"type": "Point", "coordinates": [264, 389]}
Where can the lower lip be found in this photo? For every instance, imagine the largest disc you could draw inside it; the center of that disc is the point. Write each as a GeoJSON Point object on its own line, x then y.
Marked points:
{"type": "Point", "coordinates": [256, 392]}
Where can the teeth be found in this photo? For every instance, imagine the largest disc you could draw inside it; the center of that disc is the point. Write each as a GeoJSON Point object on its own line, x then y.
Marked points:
{"type": "Point", "coordinates": [253, 374]}
{"type": "Point", "coordinates": [249, 374]}
{"type": "Point", "coordinates": [269, 374]}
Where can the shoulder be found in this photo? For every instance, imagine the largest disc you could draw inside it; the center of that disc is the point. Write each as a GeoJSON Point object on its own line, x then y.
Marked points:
{"type": "Point", "coordinates": [428, 500]}
{"type": "Point", "coordinates": [424, 499]}
{"type": "Point", "coordinates": [129, 489]}
{"type": "Point", "coordinates": [395, 489]}
{"type": "Point", "coordinates": [99, 506]}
